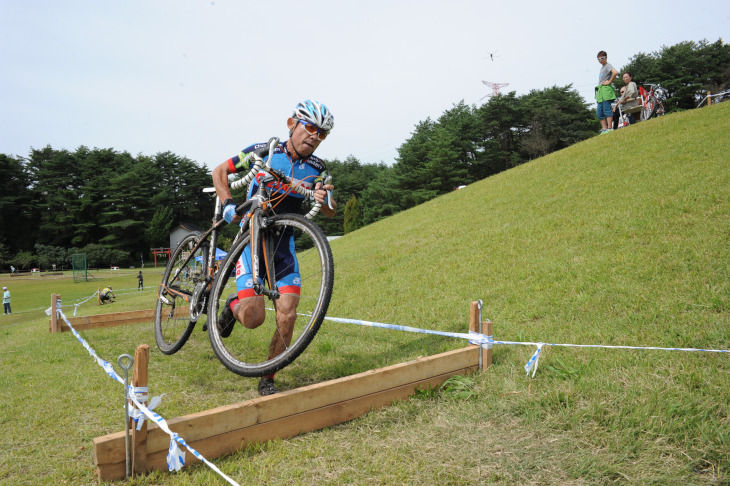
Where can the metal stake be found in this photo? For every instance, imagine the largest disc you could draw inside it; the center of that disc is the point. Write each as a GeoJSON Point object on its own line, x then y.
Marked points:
{"type": "Point", "coordinates": [481, 331]}
{"type": "Point", "coordinates": [120, 360]}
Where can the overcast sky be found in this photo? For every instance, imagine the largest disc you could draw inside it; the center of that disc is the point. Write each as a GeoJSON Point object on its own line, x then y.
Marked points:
{"type": "Point", "coordinates": [204, 79]}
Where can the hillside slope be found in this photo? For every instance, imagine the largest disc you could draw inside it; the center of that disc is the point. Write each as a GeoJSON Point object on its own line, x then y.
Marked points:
{"type": "Point", "coordinates": [619, 239]}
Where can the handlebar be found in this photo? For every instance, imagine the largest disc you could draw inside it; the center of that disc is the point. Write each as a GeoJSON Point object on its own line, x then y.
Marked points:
{"type": "Point", "coordinates": [257, 157]}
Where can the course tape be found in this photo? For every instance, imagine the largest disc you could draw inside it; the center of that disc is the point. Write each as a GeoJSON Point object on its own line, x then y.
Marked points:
{"type": "Point", "coordinates": [175, 456]}
{"type": "Point", "coordinates": [487, 341]}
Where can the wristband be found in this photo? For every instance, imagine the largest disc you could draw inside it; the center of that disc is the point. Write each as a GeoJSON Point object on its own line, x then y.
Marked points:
{"type": "Point", "coordinates": [228, 201]}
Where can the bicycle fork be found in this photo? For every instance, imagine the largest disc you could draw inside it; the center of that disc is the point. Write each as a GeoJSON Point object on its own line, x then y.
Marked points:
{"type": "Point", "coordinates": [258, 224]}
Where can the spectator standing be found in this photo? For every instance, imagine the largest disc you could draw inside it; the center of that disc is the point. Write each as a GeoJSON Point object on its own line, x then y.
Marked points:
{"type": "Point", "coordinates": [140, 278]}
{"type": "Point", "coordinates": [6, 301]}
{"type": "Point", "coordinates": [605, 93]}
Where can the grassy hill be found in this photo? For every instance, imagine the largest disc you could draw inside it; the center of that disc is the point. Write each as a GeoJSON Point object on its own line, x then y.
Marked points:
{"type": "Point", "coordinates": [620, 240]}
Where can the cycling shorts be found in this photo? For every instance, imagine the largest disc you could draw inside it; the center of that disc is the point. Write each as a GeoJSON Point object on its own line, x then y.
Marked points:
{"type": "Point", "coordinates": [286, 266]}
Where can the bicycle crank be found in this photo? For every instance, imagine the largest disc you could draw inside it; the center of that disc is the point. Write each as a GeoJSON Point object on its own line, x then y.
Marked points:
{"type": "Point", "coordinates": [198, 301]}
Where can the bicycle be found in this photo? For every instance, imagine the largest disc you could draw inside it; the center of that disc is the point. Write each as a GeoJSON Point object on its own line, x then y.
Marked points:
{"type": "Point", "coordinates": [652, 101]}
{"type": "Point", "coordinates": [188, 291]}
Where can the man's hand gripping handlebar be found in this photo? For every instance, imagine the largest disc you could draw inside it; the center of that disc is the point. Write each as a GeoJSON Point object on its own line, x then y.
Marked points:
{"type": "Point", "coordinates": [258, 165]}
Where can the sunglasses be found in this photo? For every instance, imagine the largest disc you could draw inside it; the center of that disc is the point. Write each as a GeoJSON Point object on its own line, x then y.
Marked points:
{"type": "Point", "coordinates": [313, 129]}
{"type": "Point", "coordinates": [602, 58]}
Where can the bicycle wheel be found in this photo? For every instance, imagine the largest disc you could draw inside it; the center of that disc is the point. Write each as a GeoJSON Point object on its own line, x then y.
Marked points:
{"type": "Point", "coordinates": [173, 324]}
{"type": "Point", "coordinates": [257, 345]}
{"type": "Point", "coordinates": [649, 109]}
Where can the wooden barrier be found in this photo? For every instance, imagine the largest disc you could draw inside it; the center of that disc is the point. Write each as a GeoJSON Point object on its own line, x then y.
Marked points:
{"type": "Point", "coordinates": [226, 429]}
{"type": "Point", "coordinates": [103, 320]}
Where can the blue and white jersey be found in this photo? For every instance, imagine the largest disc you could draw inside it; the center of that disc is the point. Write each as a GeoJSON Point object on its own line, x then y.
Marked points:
{"type": "Point", "coordinates": [305, 172]}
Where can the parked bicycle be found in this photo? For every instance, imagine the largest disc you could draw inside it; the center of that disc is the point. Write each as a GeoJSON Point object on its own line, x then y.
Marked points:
{"type": "Point", "coordinates": [652, 101]}
{"type": "Point", "coordinates": [192, 287]}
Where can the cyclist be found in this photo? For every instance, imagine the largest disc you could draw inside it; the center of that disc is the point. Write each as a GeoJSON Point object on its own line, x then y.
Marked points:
{"type": "Point", "coordinates": [309, 125]}
{"type": "Point", "coordinates": [106, 295]}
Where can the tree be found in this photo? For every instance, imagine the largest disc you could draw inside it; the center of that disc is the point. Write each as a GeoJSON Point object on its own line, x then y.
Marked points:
{"type": "Point", "coordinates": [24, 259]}
{"type": "Point", "coordinates": [16, 215]}
{"type": "Point", "coordinates": [558, 117]}
{"type": "Point", "coordinates": [47, 256]}
{"type": "Point", "coordinates": [353, 215]}
{"type": "Point", "coordinates": [158, 231]}
{"type": "Point", "coordinates": [502, 124]}
{"type": "Point", "coordinates": [687, 70]}
{"type": "Point", "coordinates": [53, 175]}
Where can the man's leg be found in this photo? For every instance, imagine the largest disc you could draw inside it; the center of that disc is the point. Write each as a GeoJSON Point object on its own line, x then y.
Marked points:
{"type": "Point", "coordinates": [286, 316]}
{"type": "Point", "coordinates": [250, 311]}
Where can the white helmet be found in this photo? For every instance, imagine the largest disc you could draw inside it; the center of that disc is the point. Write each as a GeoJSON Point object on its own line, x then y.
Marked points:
{"type": "Point", "coordinates": [315, 113]}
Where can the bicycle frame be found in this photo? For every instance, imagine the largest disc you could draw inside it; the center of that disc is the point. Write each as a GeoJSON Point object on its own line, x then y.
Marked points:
{"type": "Point", "coordinates": [212, 235]}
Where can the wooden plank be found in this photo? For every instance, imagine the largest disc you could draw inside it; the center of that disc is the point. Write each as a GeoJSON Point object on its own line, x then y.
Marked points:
{"type": "Point", "coordinates": [109, 320]}
{"type": "Point", "coordinates": [286, 426]}
{"type": "Point", "coordinates": [109, 449]}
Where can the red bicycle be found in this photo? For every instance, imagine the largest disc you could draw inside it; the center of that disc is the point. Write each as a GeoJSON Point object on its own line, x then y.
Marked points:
{"type": "Point", "coordinates": [652, 101]}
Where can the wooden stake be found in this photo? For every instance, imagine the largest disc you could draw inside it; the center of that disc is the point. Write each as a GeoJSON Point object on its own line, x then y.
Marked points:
{"type": "Point", "coordinates": [485, 360]}
{"type": "Point", "coordinates": [709, 100]}
{"type": "Point", "coordinates": [487, 352]}
{"type": "Point", "coordinates": [139, 437]}
{"type": "Point", "coordinates": [54, 313]}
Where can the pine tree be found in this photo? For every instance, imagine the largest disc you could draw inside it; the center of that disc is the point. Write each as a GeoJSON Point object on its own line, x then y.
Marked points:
{"type": "Point", "coordinates": [353, 215]}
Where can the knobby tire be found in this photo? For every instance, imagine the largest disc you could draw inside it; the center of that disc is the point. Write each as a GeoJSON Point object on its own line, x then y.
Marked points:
{"type": "Point", "coordinates": [173, 325]}
{"type": "Point", "coordinates": [246, 350]}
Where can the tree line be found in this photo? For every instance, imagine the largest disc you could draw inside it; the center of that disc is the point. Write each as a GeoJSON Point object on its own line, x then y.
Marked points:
{"type": "Point", "coordinates": [115, 207]}
{"type": "Point", "coordinates": [105, 203]}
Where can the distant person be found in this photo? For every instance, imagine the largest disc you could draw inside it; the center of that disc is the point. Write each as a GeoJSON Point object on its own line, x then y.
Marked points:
{"type": "Point", "coordinates": [616, 112]}
{"type": "Point", "coordinates": [106, 295]}
{"type": "Point", "coordinates": [629, 99]}
{"type": "Point", "coordinates": [6, 301]}
{"type": "Point", "coordinates": [12, 269]}
{"type": "Point", "coordinates": [605, 93]}
{"type": "Point", "coordinates": [140, 278]}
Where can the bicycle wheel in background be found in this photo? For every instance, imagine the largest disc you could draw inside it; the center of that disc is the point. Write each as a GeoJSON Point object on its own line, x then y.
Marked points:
{"type": "Point", "coordinates": [649, 109]}
{"type": "Point", "coordinates": [173, 324]}
{"type": "Point", "coordinates": [246, 351]}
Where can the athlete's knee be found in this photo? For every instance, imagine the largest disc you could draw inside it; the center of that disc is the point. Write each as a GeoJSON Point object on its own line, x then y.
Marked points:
{"type": "Point", "coordinates": [251, 312]}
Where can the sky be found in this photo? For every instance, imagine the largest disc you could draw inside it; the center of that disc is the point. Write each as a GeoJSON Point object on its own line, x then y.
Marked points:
{"type": "Point", "coordinates": [204, 79]}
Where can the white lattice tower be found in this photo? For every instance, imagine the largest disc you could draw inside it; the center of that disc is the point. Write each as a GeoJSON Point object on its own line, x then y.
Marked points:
{"type": "Point", "coordinates": [495, 87]}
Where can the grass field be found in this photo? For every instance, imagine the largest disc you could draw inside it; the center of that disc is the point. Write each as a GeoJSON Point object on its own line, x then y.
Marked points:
{"type": "Point", "coordinates": [620, 240]}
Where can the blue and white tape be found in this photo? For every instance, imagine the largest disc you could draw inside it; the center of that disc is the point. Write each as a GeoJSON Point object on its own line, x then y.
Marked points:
{"type": "Point", "coordinates": [175, 456]}
{"type": "Point", "coordinates": [487, 341]}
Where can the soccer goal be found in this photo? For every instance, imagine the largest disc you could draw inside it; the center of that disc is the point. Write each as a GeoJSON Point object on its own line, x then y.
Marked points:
{"type": "Point", "coordinates": [81, 274]}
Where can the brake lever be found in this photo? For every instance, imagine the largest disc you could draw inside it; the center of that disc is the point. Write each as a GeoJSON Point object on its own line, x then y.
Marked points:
{"type": "Point", "coordinates": [327, 180]}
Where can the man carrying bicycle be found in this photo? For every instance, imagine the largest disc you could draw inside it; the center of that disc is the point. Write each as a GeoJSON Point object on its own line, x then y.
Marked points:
{"type": "Point", "coordinates": [309, 125]}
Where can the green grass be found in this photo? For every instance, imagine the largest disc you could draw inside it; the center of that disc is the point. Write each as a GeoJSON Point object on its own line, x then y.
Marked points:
{"type": "Point", "coordinates": [620, 240]}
